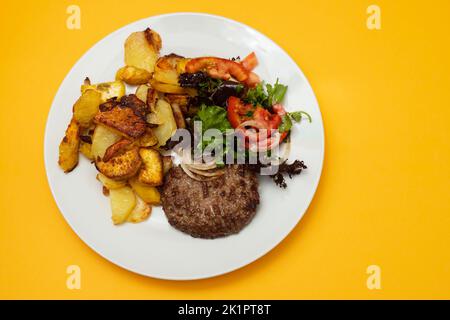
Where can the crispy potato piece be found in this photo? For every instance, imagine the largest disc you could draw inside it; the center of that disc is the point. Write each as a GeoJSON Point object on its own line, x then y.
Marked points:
{"type": "Point", "coordinates": [123, 201]}
{"type": "Point", "coordinates": [102, 139]}
{"type": "Point", "coordinates": [152, 171]}
{"type": "Point", "coordinates": [108, 90]}
{"type": "Point", "coordinates": [86, 107]}
{"type": "Point", "coordinates": [149, 194]}
{"type": "Point", "coordinates": [152, 98]}
{"type": "Point", "coordinates": [178, 115]}
{"type": "Point", "coordinates": [122, 166]}
{"type": "Point", "coordinates": [133, 75]}
{"type": "Point", "coordinates": [142, 50]}
{"type": "Point", "coordinates": [152, 118]}
{"type": "Point", "coordinates": [141, 92]}
{"type": "Point", "coordinates": [140, 212]}
{"type": "Point", "coordinates": [171, 88]}
{"type": "Point", "coordinates": [166, 69]}
{"type": "Point", "coordinates": [167, 164]}
{"type": "Point", "coordinates": [68, 148]}
{"type": "Point", "coordinates": [181, 99]}
{"type": "Point", "coordinates": [123, 120]}
{"type": "Point", "coordinates": [116, 149]}
{"type": "Point", "coordinates": [110, 183]}
{"type": "Point", "coordinates": [132, 101]}
{"type": "Point", "coordinates": [86, 150]}
{"type": "Point", "coordinates": [148, 139]}
{"type": "Point", "coordinates": [168, 127]}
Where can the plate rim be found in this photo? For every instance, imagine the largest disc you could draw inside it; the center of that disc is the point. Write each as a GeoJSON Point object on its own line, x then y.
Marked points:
{"type": "Point", "coordinates": [249, 260]}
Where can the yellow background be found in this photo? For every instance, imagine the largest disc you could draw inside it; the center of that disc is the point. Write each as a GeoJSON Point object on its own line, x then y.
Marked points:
{"type": "Point", "coordinates": [384, 194]}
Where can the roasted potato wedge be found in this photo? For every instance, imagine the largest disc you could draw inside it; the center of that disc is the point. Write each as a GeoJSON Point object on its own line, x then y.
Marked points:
{"type": "Point", "coordinates": [152, 170]}
{"type": "Point", "coordinates": [142, 50]}
{"type": "Point", "coordinates": [153, 119]}
{"type": "Point", "coordinates": [148, 139]}
{"type": "Point", "coordinates": [110, 183]}
{"type": "Point", "coordinates": [122, 166]}
{"type": "Point", "coordinates": [166, 69]}
{"type": "Point", "coordinates": [140, 212]}
{"type": "Point", "coordinates": [102, 139]}
{"type": "Point", "coordinates": [116, 149]}
{"type": "Point", "coordinates": [123, 120]}
{"type": "Point", "coordinates": [133, 75]}
{"type": "Point", "coordinates": [141, 92]}
{"type": "Point", "coordinates": [123, 201]}
{"type": "Point", "coordinates": [86, 107]}
{"type": "Point", "coordinates": [168, 125]}
{"type": "Point", "coordinates": [171, 88]}
{"type": "Point", "coordinates": [86, 150]}
{"type": "Point", "coordinates": [149, 194]}
{"type": "Point", "coordinates": [107, 90]}
{"type": "Point", "coordinates": [68, 148]}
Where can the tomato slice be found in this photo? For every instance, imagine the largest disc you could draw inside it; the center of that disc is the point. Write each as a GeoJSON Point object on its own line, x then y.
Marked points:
{"type": "Point", "coordinates": [238, 112]}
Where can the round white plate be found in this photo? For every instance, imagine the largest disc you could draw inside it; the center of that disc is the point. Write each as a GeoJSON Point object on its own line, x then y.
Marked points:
{"type": "Point", "coordinates": [153, 248]}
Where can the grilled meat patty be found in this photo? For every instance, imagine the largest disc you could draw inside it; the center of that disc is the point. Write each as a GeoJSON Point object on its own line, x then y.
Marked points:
{"type": "Point", "coordinates": [211, 209]}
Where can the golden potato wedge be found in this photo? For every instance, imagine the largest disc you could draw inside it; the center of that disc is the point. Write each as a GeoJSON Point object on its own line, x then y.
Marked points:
{"type": "Point", "coordinates": [140, 212]}
{"type": "Point", "coordinates": [123, 201]}
{"type": "Point", "coordinates": [148, 139]}
{"type": "Point", "coordinates": [166, 70]}
{"type": "Point", "coordinates": [110, 183]}
{"type": "Point", "coordinates": [68, 148]}
{"type": "Point", "coordinates": [152, 170]}
{"type": "Point", "coordinates": [86, 107]}
{"type": "Point", "coordinates": [171, 88]}
{"type": "Point", "coordinates": [102, 139]}
{"type": "Point", "coordinates": [133, 75]}
{"type": "Point", "coordinates": [142, 50]}
{"type": "Point", "coordinates": [167, 164]}
{"type": "Point", "coordinates": [107, 90]}
{"type": "Point", "coordinates": [116, 149]}
{"type": "Point", "coordinates": [149, 194]}
{"type": "Point", "coordinates": [168, 126]}
{"type": "Point", "coordinates": [122, 166]}
{"type": "Point", "coordinates": [178, 115]}
{"type": "Point", "coordinates": [141, 92]}
{"type": "Point", "coordinates": [152, 118]}
{"type": "Point", "coordinates": [123, 120]}
{"type": "Point", "coordinates": [86, 150]}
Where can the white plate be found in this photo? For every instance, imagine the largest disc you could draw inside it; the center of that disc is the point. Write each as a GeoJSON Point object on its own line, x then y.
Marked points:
{"type": "Point", "coordinates": [154, 248]}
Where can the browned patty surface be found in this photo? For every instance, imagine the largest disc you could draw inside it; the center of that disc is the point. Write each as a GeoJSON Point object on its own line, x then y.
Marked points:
{"type": "Point", "coordinates": [210, 209]}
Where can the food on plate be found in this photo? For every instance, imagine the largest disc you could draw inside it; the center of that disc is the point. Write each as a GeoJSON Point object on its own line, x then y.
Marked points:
{"type": "Point", "coordinates": [102, 139]}
{"type": "Point", "coordinates": [123, 120]}
{"type": "Point", "coordinates": [167, 127]}
{"type": "Point", "coordinates": [110, 183]}
{"type": "Point", "coordinates": [108, 90]}
{"type": "Point", "coordinates": [151, 172]}
{"type": "Point", "coordinates": [133, 75]}
{"type": "Point", "coordinates": [142, 49]}
{"type": "Point", "coordinates": [211, 209]}
{"type": "Point", "coordinates": [129, 137]}
{"type": "Point", "coordinates": [122, 166]}
{"type": "Point", "coordinates": [148, 193]}
{"type": "Point", "coordinates": [86, 107]}
{"type": "Point", "coordinates": [123, 201]}
{"type": "Point", "coordinates": [68, 148]}
{"type": "Point", "coordinates": [140, 212]}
